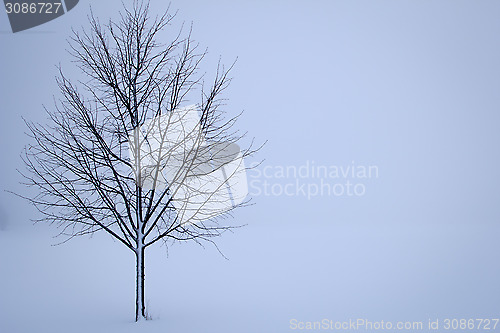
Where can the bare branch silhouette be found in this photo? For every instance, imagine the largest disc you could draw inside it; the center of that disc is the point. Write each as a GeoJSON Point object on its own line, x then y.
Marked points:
{"type": "Point", "coordinates": [126, 151]}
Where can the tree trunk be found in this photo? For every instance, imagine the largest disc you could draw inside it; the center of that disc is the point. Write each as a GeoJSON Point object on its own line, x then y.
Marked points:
{"type": "Point", "coordinates": [140, 308]}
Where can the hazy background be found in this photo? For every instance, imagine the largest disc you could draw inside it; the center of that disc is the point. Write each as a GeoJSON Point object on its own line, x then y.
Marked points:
{"type": "Point", "coordinates": [409, 86]}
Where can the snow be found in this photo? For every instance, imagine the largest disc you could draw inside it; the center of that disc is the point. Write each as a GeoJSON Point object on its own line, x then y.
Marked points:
{"type": "Point", "coordinates": [274, 274]}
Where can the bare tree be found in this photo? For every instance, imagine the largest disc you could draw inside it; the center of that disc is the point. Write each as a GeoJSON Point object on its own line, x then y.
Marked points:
{"type": "Point", "coordinates": [126, 151]}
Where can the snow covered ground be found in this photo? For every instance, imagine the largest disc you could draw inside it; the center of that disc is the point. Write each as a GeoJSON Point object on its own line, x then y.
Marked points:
{"type": "Point", "coordinates": [273, 275]}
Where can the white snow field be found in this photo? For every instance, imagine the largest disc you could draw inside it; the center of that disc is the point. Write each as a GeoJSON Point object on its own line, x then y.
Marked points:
{"type": "Point", "coordinates": [274, 274]}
